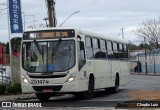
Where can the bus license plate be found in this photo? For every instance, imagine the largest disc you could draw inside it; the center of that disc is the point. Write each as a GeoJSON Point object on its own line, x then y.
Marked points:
{"type": "Point", "coordinates": [47, 90]}
{"type": "Point", "coordinates": [33, 81]}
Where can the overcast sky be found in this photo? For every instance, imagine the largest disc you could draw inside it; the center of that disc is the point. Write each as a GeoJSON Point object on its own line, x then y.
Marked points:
{"type": "Point", "coordinates": [103, 16]}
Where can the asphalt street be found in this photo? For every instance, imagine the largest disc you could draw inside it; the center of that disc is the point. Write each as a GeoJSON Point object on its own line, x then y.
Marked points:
{"type": "Point", "coordinates": [140, 88]}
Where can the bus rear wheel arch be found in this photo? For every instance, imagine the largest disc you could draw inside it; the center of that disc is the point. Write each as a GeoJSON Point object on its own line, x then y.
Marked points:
{"type": "Point", "coordinates": [115, 89]}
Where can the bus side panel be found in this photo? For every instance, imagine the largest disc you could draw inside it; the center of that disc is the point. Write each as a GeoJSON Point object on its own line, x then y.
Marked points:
{"type": "Point", "coordinates": [115, 69]}
{"type": "Point", "coordinates": [87, 70]}
{"type": "Point", "coordinates": [102, 79]}
{"type": "Point", "coordinates": [83, 75]}
{"type": "Point", "coordinates": [124, 77]}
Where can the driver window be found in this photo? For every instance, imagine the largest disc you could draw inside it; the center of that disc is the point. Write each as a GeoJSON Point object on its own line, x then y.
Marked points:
{"type": "Point", "coordinates": [80, 52]}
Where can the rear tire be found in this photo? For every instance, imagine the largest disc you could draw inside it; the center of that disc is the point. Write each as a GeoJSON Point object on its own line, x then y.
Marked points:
{"type": "Point", "coordinates": [43, 96]}
{"type": "Point", "coordinates": [115, 89]}
{"type": "Point", "coordinates": [89, 94]}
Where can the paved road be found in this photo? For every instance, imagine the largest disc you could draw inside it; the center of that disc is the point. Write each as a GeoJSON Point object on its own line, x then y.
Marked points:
{"type": "Point", "coordinates": [140, 88]}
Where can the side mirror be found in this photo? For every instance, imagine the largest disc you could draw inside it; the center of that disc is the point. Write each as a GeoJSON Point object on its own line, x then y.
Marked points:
{"type": "Point", "coordinates": [81, 45]}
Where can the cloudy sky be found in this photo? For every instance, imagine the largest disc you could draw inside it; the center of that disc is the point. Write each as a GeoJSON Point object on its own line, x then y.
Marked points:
{"type": "Point", "coordinates": [103, 16]}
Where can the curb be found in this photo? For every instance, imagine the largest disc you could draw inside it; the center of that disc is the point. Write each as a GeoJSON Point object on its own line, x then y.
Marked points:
{"type": "Point", "coordinates": [26, 98]}
{"type": "Point", "coordinates": [149, 74]}
{"type": "Point", "coordinates": [18, 97]}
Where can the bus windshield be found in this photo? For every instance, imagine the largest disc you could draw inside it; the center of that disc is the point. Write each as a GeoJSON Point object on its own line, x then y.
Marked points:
{"type": "Point", "coordinates": [48, 56]}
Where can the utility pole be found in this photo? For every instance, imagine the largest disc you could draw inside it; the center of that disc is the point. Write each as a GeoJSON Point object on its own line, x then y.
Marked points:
{"type": "Point", "coordinates": [51, 13]}
{"type": "Point", "coordinates": [122, 33]}
{"type": "Point", "coordinates": [145, 55]}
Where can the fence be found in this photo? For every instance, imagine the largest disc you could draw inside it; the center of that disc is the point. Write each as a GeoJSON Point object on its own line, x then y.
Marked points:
{"type": "Point", "coordinates": [153, 62]}
{"type": "Point", "coordinates": [13, 73]}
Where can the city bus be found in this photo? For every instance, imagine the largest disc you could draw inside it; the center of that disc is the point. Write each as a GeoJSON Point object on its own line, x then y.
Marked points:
{"type": "Point", "coordinates": [65, 60]}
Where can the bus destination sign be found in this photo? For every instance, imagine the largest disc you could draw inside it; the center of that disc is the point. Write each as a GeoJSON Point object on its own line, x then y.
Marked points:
{"type": "Point", "coordinates": [49, 34]}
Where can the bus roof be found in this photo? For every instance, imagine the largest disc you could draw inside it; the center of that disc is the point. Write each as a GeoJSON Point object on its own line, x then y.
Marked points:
{"type": "Point", "coordinates": [85, 32]}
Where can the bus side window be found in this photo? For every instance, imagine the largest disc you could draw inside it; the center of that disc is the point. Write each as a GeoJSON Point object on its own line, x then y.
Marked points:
{"type": "Point", "coordinates": [96, 48]}
{"type": "Point", "coordinates": [110, 50]}
{"type": "Point", "coordinates": [115, 50]}
{"type": "Point", "coordinates": [120, 51]}
{"type": "Point", "coordinates": [125, 49]}
{"type": "Point", "coordinates": [103, 49]}
{"type": "Point", "coordinates": [89, 49]}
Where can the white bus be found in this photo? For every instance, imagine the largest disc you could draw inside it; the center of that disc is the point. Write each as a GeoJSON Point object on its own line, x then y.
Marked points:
{"type": "Point", "coordinates": [71, 60]}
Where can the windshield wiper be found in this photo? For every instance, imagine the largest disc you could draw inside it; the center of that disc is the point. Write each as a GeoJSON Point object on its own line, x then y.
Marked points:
{"type": "Point", "coordinates": [39, 49]}
{"type": "Point", "coordinates": [54, 51]}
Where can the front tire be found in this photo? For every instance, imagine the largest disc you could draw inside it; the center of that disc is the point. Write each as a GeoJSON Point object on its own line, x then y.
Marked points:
{"type": "Point", "coordinates": [43, 96]}
{"type": "Point", "coordinates": [89, 94]}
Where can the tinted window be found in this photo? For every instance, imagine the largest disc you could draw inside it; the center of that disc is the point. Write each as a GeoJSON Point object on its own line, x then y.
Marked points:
{"type": "Point", "coordinates": [103, 44]}
{"type": "Point", "coordinates": [109, 45]}
{"type": "Point", "coordinates": [125, 48]}
{"type": "Point", "coordinates": [103, 49]}
{"type": "Point", "coordinates": [89, 50]}
{"type": "Point", "coordinates": [114, 46]}
{"type": "Point", "coordinates": [120, 48]}
{"type": "Point", "coordinates": [88, 42]}
{"type": "Point", "coordinates": [95, 43]}
{"type": "Point", "coordinates": [109, 50]}
{"type": "Point", "coordinates": [96, 49]}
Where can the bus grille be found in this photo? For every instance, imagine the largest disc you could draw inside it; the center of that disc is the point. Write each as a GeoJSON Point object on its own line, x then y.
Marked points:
{"type": "Point", "coordinates": [48, 76]}
{"type": "Point", "coordinates": [41, 88]}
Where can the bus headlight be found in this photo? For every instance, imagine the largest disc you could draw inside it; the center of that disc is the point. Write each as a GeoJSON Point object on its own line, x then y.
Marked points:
{"type": "Point", "coordinates": [25, 80]}
{"type": "Point", "coordinates": [72, 77]}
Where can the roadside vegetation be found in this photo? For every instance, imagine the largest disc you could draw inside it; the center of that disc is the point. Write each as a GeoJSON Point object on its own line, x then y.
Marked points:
{"type": "Point", "coordinates": [10, 89]}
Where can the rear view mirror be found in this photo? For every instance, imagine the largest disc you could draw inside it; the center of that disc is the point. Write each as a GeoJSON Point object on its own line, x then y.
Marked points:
{"type": "Point", "coordinates": [81, 45]}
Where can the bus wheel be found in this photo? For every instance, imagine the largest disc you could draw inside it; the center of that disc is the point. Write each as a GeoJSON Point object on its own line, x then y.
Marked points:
{"type": "Point", "coordinates": [115, 89]}
{"type": "Point", "coordinates": [43, 96]}
{"type": "Point", "coordinates": [89, 94]}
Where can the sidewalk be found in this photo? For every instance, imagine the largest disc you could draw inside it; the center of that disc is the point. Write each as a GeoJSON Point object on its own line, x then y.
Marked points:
{"type": "Point", "coordinates": [17, 97]}
{"type": "Point", "coordinates": [149, 74]}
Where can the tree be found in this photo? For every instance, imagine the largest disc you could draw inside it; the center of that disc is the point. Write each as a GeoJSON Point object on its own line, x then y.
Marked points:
{"type": "Point", "coordinates": [150, 29]}
{"type": "Point", "coordinates": [133, 47]}
{"type": "Point", "coordinates": [146, 45]}
{"type": "Point", "coordinates": [16, 43]}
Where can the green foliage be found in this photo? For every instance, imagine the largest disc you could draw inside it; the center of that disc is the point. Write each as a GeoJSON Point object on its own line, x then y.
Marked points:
{"type": "Point", "coordinates": [18, 85]}
{"type": "Point", "coordinates": [133, 47]}
{"type": "Point", "coordinates": [2, 89]}
{"type": "Point", "coordinates": [12, 89]}
{"type": "Point", "coordinates": [16, 43]}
